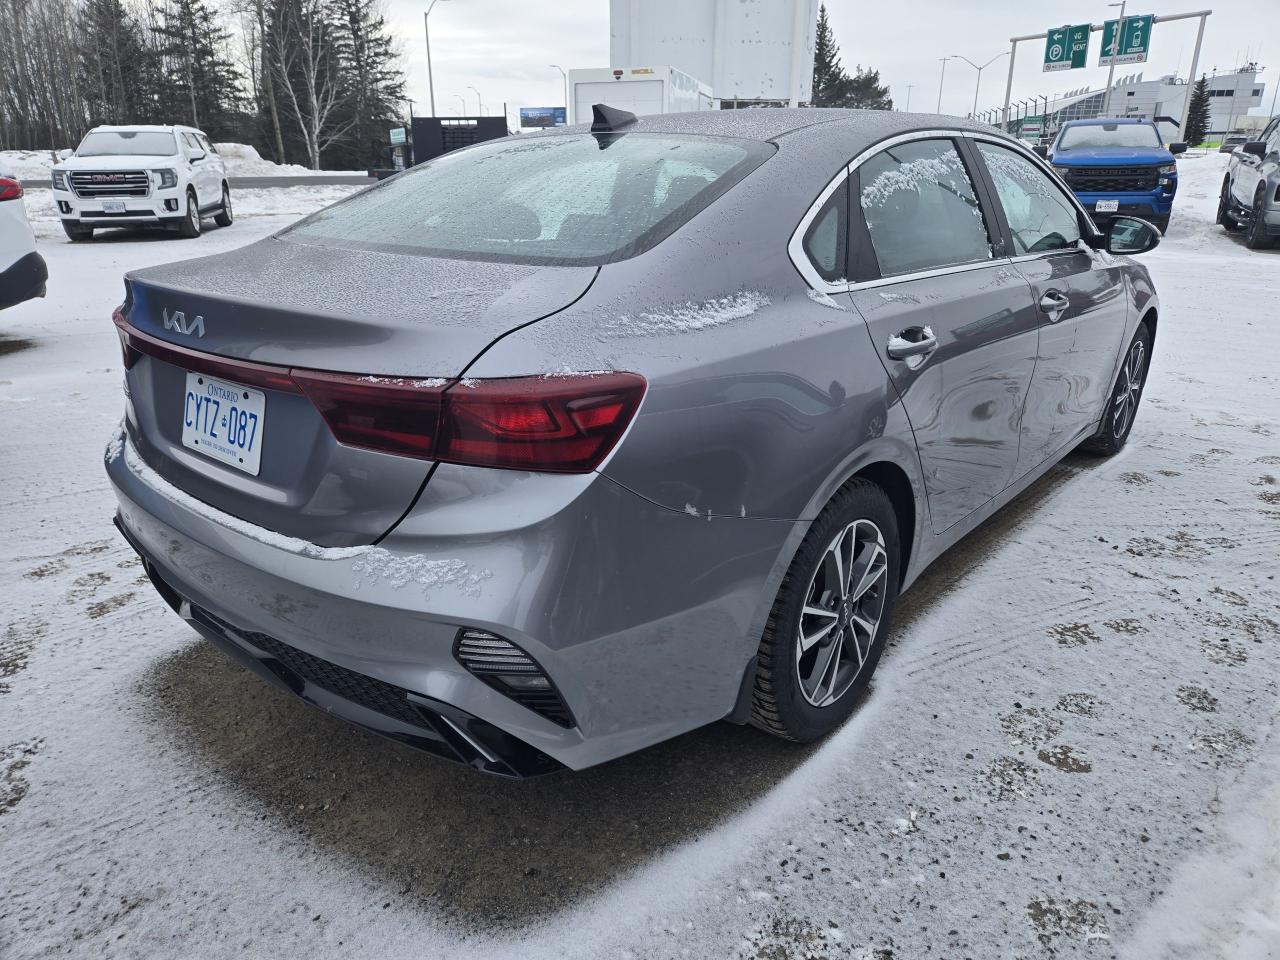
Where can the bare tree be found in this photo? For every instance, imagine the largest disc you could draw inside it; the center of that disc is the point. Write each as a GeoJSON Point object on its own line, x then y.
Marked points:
{"type": "Point", "coordinates": [305, 62]}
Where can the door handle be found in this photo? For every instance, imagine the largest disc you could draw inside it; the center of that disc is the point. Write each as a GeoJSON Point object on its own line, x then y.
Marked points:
{"type": "Point", "coordinates": [913, 342]}
{"type": "Point", "coordinates": [1054, 303]}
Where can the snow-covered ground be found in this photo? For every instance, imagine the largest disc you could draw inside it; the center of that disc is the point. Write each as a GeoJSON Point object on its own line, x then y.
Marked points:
{"type": "Point", "coordinates": [241, 160]}
{"type": "Point", "coordinates": [1070, 749]}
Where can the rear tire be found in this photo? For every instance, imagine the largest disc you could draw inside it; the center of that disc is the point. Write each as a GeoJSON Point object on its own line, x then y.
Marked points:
{"type": "Point", "coordinates": [224, 216]}
{"type": "Point", "coordinates": [802, 690]}
{"type": "Point", "coordinates": [1122, 405]}
{"type": "Point", "coordinates": [189, 225]}
{"type": "Point", "coordinates": [1225, 220]}
{"type": "Point", "coordinates": [77, 232]}
{"type": "Point", "coordinates": [1256, 238]}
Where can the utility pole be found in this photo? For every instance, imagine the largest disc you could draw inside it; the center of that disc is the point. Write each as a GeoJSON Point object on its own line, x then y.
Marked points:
{"type": "Point", "coordinates": [943, 61]}
{"type": "Point", "coordinates": [426, 31]}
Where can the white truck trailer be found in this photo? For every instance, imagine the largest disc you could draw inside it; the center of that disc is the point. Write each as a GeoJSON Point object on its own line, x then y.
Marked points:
{"type": "Point", "coordinates": [640, 90]}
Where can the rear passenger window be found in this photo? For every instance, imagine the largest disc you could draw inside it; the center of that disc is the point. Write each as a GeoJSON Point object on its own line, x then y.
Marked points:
{"type": "Point", "coordinates": [921, 209]}
{"type": "Point", "coordinates": [1040, 216]}
{"type": "Point", "coordinates": [824, 241]}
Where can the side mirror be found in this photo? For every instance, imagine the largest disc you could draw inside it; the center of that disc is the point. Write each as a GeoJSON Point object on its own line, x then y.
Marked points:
{"type": "Point", "coordinates": [198, 154]}
{"type": "Point", "coordinates": [1129, 236]}
{"type": "Point", "coordinates": [1256, 147]}
{"type": "Point", "coordinates": [1041, 150]}
{"type": "Point", "coordinates": [66, 153]}
{"type": "Point", "coordinates": [1176, 148]}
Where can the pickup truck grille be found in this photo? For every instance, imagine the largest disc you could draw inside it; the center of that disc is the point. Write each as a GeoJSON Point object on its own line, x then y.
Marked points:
{"type": "Point", "coordinates": [1113, 179]}
{"type": "Point", "coordinates": [131, 183]}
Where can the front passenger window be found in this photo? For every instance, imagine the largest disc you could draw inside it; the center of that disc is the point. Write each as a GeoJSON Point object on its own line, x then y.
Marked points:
{"type": "Point", "coordinates": [1040, 217]}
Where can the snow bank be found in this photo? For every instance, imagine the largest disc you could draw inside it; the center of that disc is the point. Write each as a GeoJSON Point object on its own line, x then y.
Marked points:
{"type": "Point", "coordinates": [26, 164]}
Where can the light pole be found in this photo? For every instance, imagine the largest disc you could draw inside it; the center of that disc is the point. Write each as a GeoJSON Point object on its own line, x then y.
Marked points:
{"type": "Point", "coordinates": [565, 77]}
{"type": "Point", "coordinates": [941, 78]}
{"type": "Point", "coordinates": [479, 102]}
{"type": "Point", "coordinates": [977, 86]}
{"type": "Point", "coordinates": [907, 108]}
{"type": "Point", "coordinates": [426, 31]}
{"type": "Point", "coordinates": [1115, 52]}
{"type": "Point", "coordinates": [463, 101]}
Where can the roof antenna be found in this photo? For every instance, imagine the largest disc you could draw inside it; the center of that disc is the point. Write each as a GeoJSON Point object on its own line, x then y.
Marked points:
{"type": "Point", "coordinates": [609, 119]}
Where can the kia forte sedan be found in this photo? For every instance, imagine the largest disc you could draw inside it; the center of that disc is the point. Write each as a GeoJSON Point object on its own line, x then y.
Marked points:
{"type": "Point", "coordinates": [565, 444]}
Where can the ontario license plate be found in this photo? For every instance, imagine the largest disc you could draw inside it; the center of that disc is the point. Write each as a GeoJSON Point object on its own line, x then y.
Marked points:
{"type": "Point", "coordinates": [113, 206]}
{"type": "Point", "coordinates": [1106, 206]}
{"type": "Point", "coordinates": [224, 421]}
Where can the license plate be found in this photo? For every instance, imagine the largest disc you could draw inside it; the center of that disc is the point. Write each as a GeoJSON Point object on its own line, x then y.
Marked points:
{"type": "Point", "coordinates": [113, 206]}
{"type": "Point", "coordinates": [1106, 206]}
{"type": "Point", "coordinates": [224, 421]}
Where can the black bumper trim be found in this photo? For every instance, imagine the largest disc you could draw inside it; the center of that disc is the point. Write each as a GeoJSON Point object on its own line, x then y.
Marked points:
{"type": "Point", "coordinates": [23, 280]}
{"type": "Point", "coordinates": [417, 721]}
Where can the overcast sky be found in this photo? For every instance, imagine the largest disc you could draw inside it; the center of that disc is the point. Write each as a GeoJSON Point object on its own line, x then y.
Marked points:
{"type": "Point", "coordinates": [504, 48]}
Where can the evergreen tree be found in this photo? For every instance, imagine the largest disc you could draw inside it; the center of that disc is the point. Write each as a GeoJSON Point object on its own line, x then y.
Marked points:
{"type": "Point", "coordinates": [829, 77]}
{"type": "Point", "coordinates": [865, 92]}
{"type": "Point", "coordinates": [367, 61]}
{"type": "Point", "coordinates": [112, 64]}
{"type": "Point", "coordinates": [201, 84]}
{"type": "Point", "coordinates": [1198, 114]}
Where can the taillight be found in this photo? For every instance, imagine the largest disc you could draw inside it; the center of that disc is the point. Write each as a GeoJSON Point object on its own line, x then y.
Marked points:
{"type": "Point", "coordinates": [388, 414]}
{"type": "Point", "coordinates": [563, 424]}
{"type": "Point", "coordinates": [10, 189]}
{"type": "Point", "coordinates": [128, 353]}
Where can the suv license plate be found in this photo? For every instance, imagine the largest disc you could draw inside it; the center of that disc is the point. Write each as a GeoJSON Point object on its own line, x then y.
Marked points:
{"type": "Point", "coordinates": [224, 421]}
{"type": "Point", "coordinates": [113, 206]}
{"type": "Point", "coordinates": [1107, 206]}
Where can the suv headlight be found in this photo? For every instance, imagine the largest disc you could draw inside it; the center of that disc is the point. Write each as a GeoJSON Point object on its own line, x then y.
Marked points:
{"type": "Point", "coordinates": [166, 178]}
{"type": "Point", "coordinates": [59, 180]}
{"type": "Point", "coordinates": [1167, 169]}
{"type": "Point", "coordinates": [1063, 172]}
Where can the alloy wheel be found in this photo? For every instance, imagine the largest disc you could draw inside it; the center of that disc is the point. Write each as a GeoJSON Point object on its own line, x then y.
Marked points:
{"type": "Point", "coordinates": [1129, 389]}
{"type": "Point", "coordinates": [193, 214]}
{"type": "Point", "coordinates": [842, 611]}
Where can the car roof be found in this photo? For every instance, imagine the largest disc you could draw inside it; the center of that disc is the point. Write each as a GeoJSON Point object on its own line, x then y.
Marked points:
{"type": "Point", "coordinates": [773, 123]}
{"type": "Point", "coordinates": [1108, 121]}
{"type": "Point", "coordinates": [141, 127]}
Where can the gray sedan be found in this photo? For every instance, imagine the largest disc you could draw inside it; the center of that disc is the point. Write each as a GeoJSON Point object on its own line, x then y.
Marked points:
{"type": "Point", "coordinates": [562, 445]}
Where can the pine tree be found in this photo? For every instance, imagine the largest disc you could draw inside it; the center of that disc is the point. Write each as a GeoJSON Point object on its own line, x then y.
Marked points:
{"type": "Point", "coordinates": [367, 61]}
{"type": "Point", "coordinates": [829, 78]}
{"type": "Point", "coordinates": [864, 91]}
{"type": "Point", "coordinates": [1198, 114]}
{"type": "Point", "coordinates": [112, 64]}
{"type": "Point", "coordinates": [201, 84]}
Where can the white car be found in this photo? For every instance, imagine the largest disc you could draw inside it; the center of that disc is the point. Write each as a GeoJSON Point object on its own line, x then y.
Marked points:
{"type": "Point", "coordinates": [141, 175]}
{"type": "Point", "coordinates": [22, 270]}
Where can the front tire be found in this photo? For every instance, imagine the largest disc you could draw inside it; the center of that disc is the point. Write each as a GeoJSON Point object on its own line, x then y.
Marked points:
{"type": "Point", "coordinates": [224, 216]}
{"type": "Point", "coordinates": [189, 225]}
{"type": "Point", "coordinates": [1122, 406]}
{"type": "Point", "coordinates": [827, 628]}
{"type": "Point", "coordinates": [76, 232]}
{"type": "Point", "coordinates": [1225, 220]}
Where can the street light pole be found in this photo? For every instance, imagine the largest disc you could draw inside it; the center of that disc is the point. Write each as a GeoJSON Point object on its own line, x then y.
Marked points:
{"type": "Point", "coordinates": [943, 61]}
{"type": "Point", "coordinates": [1115, 51]}
{"type": "Point", "coordinates": [907, 108]}
{"type": "Point", "coordinates": [479, 102]}
{"type": "Point", "coordinates": [565, 77]}
{"type": "Point", "coordinates": [426, 31]}
{"type": "Point", "coordinates": [977, 86]}
{"type": "Point", "coordinates": [463, 101]}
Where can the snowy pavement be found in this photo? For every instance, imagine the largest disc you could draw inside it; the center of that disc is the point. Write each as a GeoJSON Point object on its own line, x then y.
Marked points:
{"type": "Point", "coordinates": [1070, 748]}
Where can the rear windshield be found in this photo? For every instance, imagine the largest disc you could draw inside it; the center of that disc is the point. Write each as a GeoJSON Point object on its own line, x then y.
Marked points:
{"type": "Point", "coordinates": [141, 143]}
{"type": "Point", "coordinates": [1109, 135]}
{"type": "Point", "coordinates": [571, 199]}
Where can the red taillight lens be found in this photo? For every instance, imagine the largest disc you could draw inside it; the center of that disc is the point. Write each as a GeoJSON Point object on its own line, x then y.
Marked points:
{"type": "Point", "coordinates": [10, 189]}
{"type": "Point", "coordinates": [129, 353]}
{"type": "Point", "coordinates": [559, 424]}
{"type": "Point", "coordinates": [388, 414]}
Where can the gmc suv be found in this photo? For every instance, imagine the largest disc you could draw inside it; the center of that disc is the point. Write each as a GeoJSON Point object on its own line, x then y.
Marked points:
{"type": "Point", "coordinates": [1117, 168]}
{"type": "Point", "coordinates": [118, 176]}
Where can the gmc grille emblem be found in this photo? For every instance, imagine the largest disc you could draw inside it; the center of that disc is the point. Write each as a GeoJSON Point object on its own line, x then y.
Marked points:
{"type": "Point", "coordinates": [108, 177]}
{"type": "Point", "coordinates": [178, 321]}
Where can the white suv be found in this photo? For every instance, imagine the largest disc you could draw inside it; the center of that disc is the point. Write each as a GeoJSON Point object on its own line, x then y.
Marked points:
{"type": "Point", "coordinates": [139, 175]}
{"type": "Point", "coordinates": [22, 271]}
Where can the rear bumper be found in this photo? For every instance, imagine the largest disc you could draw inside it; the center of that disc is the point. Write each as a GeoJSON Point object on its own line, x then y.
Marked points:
{"type": "Point", "coordinates": [23, 280]}
{"type": "Point", "coordinates": [643, 618]}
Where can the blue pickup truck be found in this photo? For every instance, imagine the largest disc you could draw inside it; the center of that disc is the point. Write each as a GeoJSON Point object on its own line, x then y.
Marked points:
{"type": "Point", "coordinates": [1117, 168]}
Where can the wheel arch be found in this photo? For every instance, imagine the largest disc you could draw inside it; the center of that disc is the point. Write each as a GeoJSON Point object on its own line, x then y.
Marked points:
{"type": "Point", "coordinates": [893, 480]}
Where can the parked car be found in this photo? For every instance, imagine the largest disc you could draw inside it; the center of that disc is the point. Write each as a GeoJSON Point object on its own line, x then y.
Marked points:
{"type": "Point", "coordinates": [1230, 143]}
{"type": "Point", "coordinates": [23, 273]}
{"type": "Point", "coordinates": [139, 175]}
{"type": "Point", "coordinates": [564, 444]}
{"type": "Point", "coordinates": [1250, 197]}
{"type": "Point", "coordinates": [1118, 167]}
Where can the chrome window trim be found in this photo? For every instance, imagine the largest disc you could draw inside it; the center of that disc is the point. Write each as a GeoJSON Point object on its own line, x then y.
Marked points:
{"type": "Point", "coordinates": [800, 259]}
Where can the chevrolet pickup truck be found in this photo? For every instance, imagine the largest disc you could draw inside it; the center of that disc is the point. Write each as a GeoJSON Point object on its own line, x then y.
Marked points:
{"type": "Point", "coordinates": [1117, 167]}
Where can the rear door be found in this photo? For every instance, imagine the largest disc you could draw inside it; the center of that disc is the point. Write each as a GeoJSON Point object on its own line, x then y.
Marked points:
{"type": "Point", "coordinates": [949, 318]}
{"type": "Point", "coordinates": [1080, 298]}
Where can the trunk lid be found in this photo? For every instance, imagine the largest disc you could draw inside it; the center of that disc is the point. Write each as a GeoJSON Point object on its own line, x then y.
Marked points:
{"type": "Point", "coordinates": [288, 305]}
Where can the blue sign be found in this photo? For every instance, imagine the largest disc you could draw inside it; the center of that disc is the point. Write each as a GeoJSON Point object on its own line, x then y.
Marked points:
{"type": "Point", "coordinates": [542, 117]}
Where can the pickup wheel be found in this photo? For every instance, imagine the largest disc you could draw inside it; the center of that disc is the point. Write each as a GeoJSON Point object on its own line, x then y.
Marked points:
{"type": "Point", "coordinates": [76, 232]}
{"type": "Point", "coordinates": [1225, 220]}
{"type": "Point", "coordinates": [1256, 238]}
{"type": "Point", "coordinates": [189, 225]}
{"type": "Point", "coordinates": [224, 217]}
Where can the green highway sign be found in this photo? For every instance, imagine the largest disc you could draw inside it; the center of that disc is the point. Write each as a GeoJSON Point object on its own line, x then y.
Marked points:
{"type": "Point", "coordinates": [1129, 45]}
{"type": "Point", "coordinates": [1066, 48]}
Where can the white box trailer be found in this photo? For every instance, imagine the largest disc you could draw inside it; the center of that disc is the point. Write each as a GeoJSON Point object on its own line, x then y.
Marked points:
{"type": "Point", "coordinates": [640, 90]}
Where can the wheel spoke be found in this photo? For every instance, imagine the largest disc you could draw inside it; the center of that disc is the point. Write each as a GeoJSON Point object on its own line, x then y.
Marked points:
{"type": "Point", "coordinates": [835, 578]}
{"type": "Point", "coordinates": [830, 659]}
{"type": "Point", "coordinates": [871, 567]}
{"type": "Point", "coordinates": [807, 640]}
